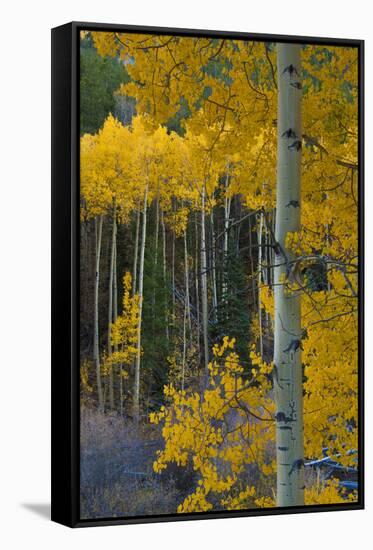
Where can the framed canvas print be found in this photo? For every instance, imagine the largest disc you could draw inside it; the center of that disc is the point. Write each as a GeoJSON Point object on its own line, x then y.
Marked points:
{"type": "Point", "coordinates": [207, 279]}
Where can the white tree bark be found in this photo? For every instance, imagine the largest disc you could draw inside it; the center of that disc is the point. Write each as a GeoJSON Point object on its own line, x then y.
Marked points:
{"type": "Point", "coordinates": [165, 274]}
{"type": "Point", "coordinates": [156, 231]}
{"type": "Point", "coordinates": [173, 273]}
{"type": "Point", "coordinates": [260, 278]}
{"type": "Point", "coordinates": [136, 392]}
{"type": "Point", "coordinates": [115, 316]}
{"type": "Point", "coordinates": [227, 213]}
{"type": "Point", "coordinates": [213, 267]}
{"type": "Point", "coordinates": [186, 278]}
{"type": "Point", "coordinates": [136, 253]}
{"type": "Point", "coordinates": [115, 282]}
{"type": "Point", "coordinates": [204, 281]}
{"type": "Point", "coordinates": [253, 290]}
{"type": "Point", "coordinates": [96, 349]}
{"type": "Point", "coordinates": [110, 312]}
{"type": "Point", "coordinates": [196, 282]}
{"type": "Point", "coordinates": [184, 348]}
{"type": "Point", "coordinates": [287, 348]}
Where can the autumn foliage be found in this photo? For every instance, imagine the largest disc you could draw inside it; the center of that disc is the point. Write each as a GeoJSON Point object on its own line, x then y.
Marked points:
{"type": "Point", "coordinates": [198, 163]}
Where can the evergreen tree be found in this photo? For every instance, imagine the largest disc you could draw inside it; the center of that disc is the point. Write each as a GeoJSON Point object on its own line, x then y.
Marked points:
{"type": "Point", "coordinates": [154, 334]}
{"type": "Point", "coordinates": [100, 77]}
{"type": "Point", "coordinates": [233, 311]}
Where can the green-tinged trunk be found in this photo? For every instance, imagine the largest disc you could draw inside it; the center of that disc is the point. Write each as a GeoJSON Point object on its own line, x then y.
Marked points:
{"type": "Point", "coordinates": [287, 316]}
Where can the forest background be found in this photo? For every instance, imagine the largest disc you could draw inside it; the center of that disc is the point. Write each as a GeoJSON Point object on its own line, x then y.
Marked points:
{"type": "Point", "coordinates": [205, 180]}
{"type": "Point", "coordinates": [26, 501]}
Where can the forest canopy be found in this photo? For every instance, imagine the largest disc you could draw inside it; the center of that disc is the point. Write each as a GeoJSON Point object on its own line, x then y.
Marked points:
{"type": "Point", "coordinates": [219, 274]}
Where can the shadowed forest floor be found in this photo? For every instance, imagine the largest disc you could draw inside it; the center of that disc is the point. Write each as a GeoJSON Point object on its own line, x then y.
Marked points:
{"type": "Point", "coordinates": [117, 477]}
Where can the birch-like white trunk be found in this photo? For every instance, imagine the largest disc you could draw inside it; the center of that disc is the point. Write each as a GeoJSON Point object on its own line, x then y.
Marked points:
{"type": "Point", "coordinates": [115, 316]}
{"type": "Point", "coordinates": [253, 290]}
{"type": "Point", "coordinates": [156, 231]}
{"type": "Point", "coordinates": [136, 390]}
{"type": "Point", "coordinates": [184, 348]}
{"type": "Point", "coordinates": [196, 283]}
{"type": "Point", "coordinates": [227, 214]}
{"type": "Point", "coordinates": [165, 274]}
{"type": "Point", "coordinates": [213, 268]}
{"type": "Point", "coordinates": [186, 278]}
{"type": "Point", "coordinates": [260, 278]}
{"type": "Point", "coordinates": [110, 309]}
{"type": "Point", "coordinates": [136, 253]}
{"type": "Point", "coordinates": [96, 349]}
{"type": "Point", "coordinates": [204, 282]}
{"type": "Point", "coordinates": [287, 348]}
{"type": "Point", "coordinates": [155, 265]}
{"type": "Point", "coordinates": [173, 275]}
{"type": "Point", "coordinates": [115, 282]}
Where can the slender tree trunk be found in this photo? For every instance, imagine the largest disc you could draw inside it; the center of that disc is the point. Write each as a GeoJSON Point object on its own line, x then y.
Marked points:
{"type": "Point", "coordinates": [136, 391]}
{"type": "Point", "coordinates": [186, 277]}
{"type": "Point", "coordinates": [253, 291]}
{"type": "Point", "coordinates": [155, 265]}
{"type": "Point", "coordinates": [165, 274]}
{"type": "Point", "coordinates": [260, 271]}
{"type": "Point", "coordinates": [115, 316]}
{"type": "Point", "coordinates": [227, 213]}
{"type": "Point", "coordinates": [96, 350]}
{"type": "Point", "coordinates": [184, 348]}
{"type": "Point", "coordinates": [136, 253]}
{"type": "Point", "coordinates": [134, 279]}
{"type": "Point", "coordinates": [110, 312]}
{"type": "Point", "coordinates": [156, 230]}
{"type": "Point", "coordinates": [196, 281]}
{"type": "Point", "coordinates": [287, 351]}
{"type": "Point", "coordinates": [204, 283]}
{"type": "Point", "coordinates": [266, 260]}
{"type": "Point", "coordinates": [173, 274]}
{"type": "Point", "coordinates": [115, 281]}
{"type": "Point", "coordinates": [213, 267]}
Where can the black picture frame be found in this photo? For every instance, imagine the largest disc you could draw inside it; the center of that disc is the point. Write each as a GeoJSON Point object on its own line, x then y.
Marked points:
{"type": "Point", "coordinates": [65, 273]}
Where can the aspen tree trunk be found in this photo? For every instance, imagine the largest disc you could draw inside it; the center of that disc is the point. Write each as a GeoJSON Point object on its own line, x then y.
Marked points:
{"type": "Point", "coordinates": [204, 283]}
{"type": "Point", "coordinates": [213, 268]}
{"type": "Point", "coordinates": [115, 282]}
{"type": "Point", "coordinates": [155, 265]}
{"type": "Point", "coordinates": [270, 231]}
{"type": "Point", "coordinates": [252, 263]}
{"type": "Point", "coordinates": [173, 275]}
{"type": "Point", "coordinates": [115, 316]}
{"type": "Point", "coordinates": [184, 348]}
{"type": "Point", "coordinates": [156, 231]}
{"type": "Point", "coordinates": [186, 277]}
{"type": "Point", "coordinates": [287, 349]}
{"type": "Point", "coordinates": [110, 312]}
{"type": "Point", "coordinates": [136, 391]}
{"type": "Point", "coordinates": [227, 213]}
{"type": "Point", "coordinates": [136, 253]}
{"type": "Point", "coordinates": [96, 350]}
{"type": "Point", "coordinates": [196, 275]}
{"type": "Point", "coordinates": [165, 274]}
{"type": "Point", "coordinates": [260, 270]}
{"type": "Point", "coordinates": [134, 284]}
